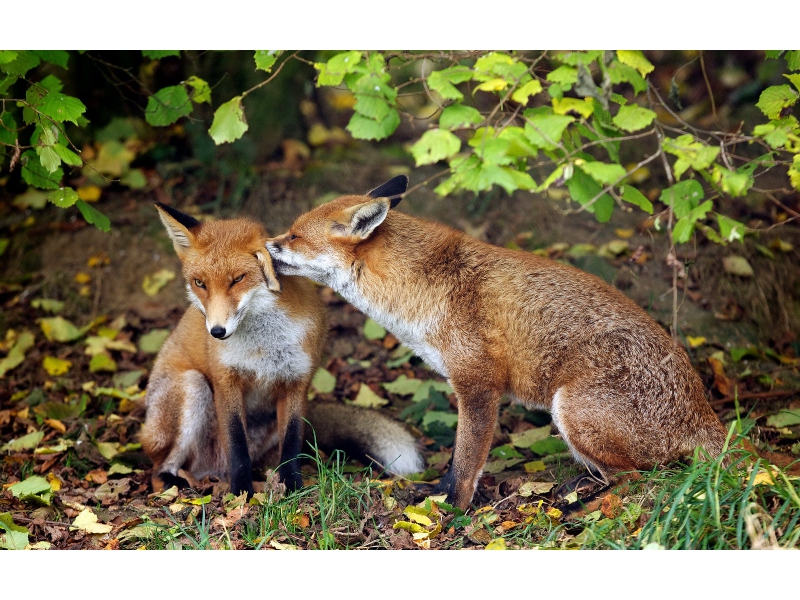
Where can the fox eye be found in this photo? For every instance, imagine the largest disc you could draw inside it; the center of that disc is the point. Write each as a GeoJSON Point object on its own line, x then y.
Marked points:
{"type": "Point", "coordinates": [238, 279]}
{"type": "Point", "coordinates": [292, 237]}
{"type": "Point", "coordinates": [199, 284]}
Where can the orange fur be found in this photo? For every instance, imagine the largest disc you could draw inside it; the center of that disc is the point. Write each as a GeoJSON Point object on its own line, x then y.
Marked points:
{"type": "Point", "coordinates": [497, 321]}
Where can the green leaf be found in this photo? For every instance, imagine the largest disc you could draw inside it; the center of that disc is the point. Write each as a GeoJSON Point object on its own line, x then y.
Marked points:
{"type": "Point", "coordinates": [793, 60]}
{"type": "Point", "coordinates": [67, 155]}
{"type": "Point", "coordinates": [456, 116]}
{"type": "Point", "coordinates": [779, 132]}
{"type": "Point", "coordinates": [737, 265]}
{"type": "Point", "coordinates": [605, 174]}
{"type": "Point", "coordinates": [36, 175]}
{"type": "Point", "coordinates": [229, 123]}
{"type": "Point", "coordinates": [403, 386]}
{"type": "Point", "coordinates": [265, 59]}
{"type": "Point", "coordinates": [527, 438]}
{"type": "Point", "coordinates": [363, 128]}
{"type": "Point", "coordinates": [690, 153]}
{"type": "Point", "coordinates": [784, 418]}
{"type": "Point", "coordinates": [372, 106]}
{"type": "Point", "coordinates": [8, 127]}
{"type": "Point", "coordinates": [167, 105]}
{"type": "Point", "coordinates": [93, 216]}
{"type": "Point", "coordinates": [564, 75]}
{"type": "Point", "coordinates": [61, 107]}
{"type": "Point", "coordinates": [333, 72]}
{"type": "Point", "coordinates": [134, 179]}
{"type": "Point", "coordinates": [324, 381]}
{"type": "Point", "coordinates": [374, 330]}
{"type": "Point", "coordinates": [632, 117]}
{"type": "Point", "coordinates": [31, 486]}
{"type": "Point", "coordinates": [156, 54]}
{"type": "Point", "coordinates": [447, 418]}
{"type": "Point", "coordinates": [435, 145]}
{"type": "Point", "coordinates": [26, 442]}
{"type": "Point", "coordinates": [619, 73]}
{"type": "Point", "coordinates": [794, 78]}
{"type": "Point", "coordinates": [544, 129]}
{"type": "Point", "coordinates": [24, 61]}
{"type": "Point", "coordinates": [102, 362]}
{"type": "Point", "coordinates": [59, 58]}
{"type": "Point", "coordinates": [684, 227]}
{"type": "Point", "coordinates": [686, 195]}
{"type": "Point", "coordinates": [201, 92]}
{"type": "Point", "coordinates": [152, 341]}
{"type": "Point", "coordinates": [7, 56]}
{"type": "Point", "coordinates": [775, 98]}
{"type": "Point", "coordinates": [63, 197]}
{"type": "Point", "coordinates": [583, 189]}
{"type": "Point", "coordinates": [444, 81]}
{"type": "Point", "coordinates": [730, 229]}
{"type": "Point", "coordinates": [15, 537]}
{"type": "Point", "coordinates": [16, 356]}
{"type": "Point", "coordinates": [48, 157]}
{"type": "Point", "coordinates": [522, 93]}
{"type": "Point", "coordinates": [731, 182]}
{"type": "Point", "coordinates": [635, 59]}
{"type": "Point", "coordinates": [549, 445]}
{"type": "Point", "coordinates": [505, 452]}
{"type": "Point", "coordinates": [630, 194]}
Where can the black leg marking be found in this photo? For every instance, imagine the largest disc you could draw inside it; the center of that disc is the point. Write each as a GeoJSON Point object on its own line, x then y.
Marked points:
{"type": "Point", "coordinates": [170, 480]}
{"type": "Point", "coordinates": [239, 463]}
{"type": "Point", "coordinates": [289, 470]}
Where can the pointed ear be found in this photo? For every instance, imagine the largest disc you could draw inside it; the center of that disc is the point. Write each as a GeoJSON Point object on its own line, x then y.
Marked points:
{"type": "Point", "coordinates": [267, 268]}
{"type": "Point", "coordinates": [362, 219]}
{"type": "Point", "coordinates": [392, 189]}
{"type": "Point", "coordinates": [178, 227]}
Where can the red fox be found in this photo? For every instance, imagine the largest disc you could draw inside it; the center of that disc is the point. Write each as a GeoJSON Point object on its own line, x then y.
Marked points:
{"type": "Point", "coordinates": [496, 321]}
{"type": "Point", "coordinates": [228, 390]}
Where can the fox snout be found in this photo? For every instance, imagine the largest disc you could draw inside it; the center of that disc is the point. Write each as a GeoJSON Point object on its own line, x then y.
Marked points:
{"type": "Point", "coordinates": [218, 332]}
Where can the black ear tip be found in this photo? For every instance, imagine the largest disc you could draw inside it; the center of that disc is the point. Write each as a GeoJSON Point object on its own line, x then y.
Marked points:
{"type": "Point", "coordinates": [392, 189]}
{"type": "Point", "coordinates": [182, 218]}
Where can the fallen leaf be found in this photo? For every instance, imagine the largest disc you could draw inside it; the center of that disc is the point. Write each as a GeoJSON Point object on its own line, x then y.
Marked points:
{"type": "Point", "coordinates": [58, 329]}
{"type": "Point", "coordinates": [535, 487]}
{"type": "Point", "coordinates": [87, 521]}
{"type": "Point", "coordinates": [624, 233]}
{"type": "Point", "coordinates": [119, 469]}
{"type": "Point", "coordinates": [367, 398]}
{"type": "Point", "coordinates": [112, 489]}
{"type": "Point", "coordinates": [496, 544]}
{"type": "Point", "coordinates": [48, 304]}
{"type": "Point", "coordinates": [611, 506]}
{"type": "Point", "coordinates": [102, 362]}
{"type": "Point", "coordinates": [108, 449]}
{"type": "Point", "coordinates": [695, 342]}
{"type": "Point", "coordinates": [26, 442]}
{"type": "Point", "coordinates": [16, 356]}
{"type": "Point", "coordinates": [56, 424]}
{"type": "Point", "coordinates": [374, 330]}
{"type": "Point", "coordinates": [324, 381]}
{"type": "Point", "coordinates": [56, 366]}
{"type": "Point", "coordinates": [12, 536]}
{"type": "Point", "coordinates": [279, 546]}
{"type": "Point", "coordinates": [784, 418]}
{"type": "Point", "coordinates": [496, 466]}
{"type": "Point", "coordinates": [98, 476]}
{"type": "Point", "coordinates": [737, 265]}
{"type": "Point", "coordinates": [89, 193]}
{"type": "Point", "coordinates": [527, 438]}
{"type": "Point", "coordinates": [98, 260]}
{"type": "Point", "coordinates": [82, 278]}
{"type": "Point", "coordinates": [721, 382]}
{"type": "Point", "coordinates": [152, 341]}
{"type": "Point", "coordinates": [153, 283]}
{"type": "Point", "coordinates": [33, 485]}
{"type": "Point", "coordinates": [403, 386]}
{"type": "Point", "coordinates": [534, 466]}
{"type": "Point", "coordinates": [549, 445]}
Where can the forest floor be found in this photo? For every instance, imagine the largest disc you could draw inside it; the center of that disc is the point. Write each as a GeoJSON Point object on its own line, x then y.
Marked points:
{"type": "Point", "coordinates": [88, 311]}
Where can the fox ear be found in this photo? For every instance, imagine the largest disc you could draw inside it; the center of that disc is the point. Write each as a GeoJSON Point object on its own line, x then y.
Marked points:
{"type": "Point", "coordinates": [392, 189]}
{"type": "Point", "coordinates": [178, 226]}
{"type": "Point", "coordinates": [361, 220]}
{"type": "Point", "coordinates": [267, 268]}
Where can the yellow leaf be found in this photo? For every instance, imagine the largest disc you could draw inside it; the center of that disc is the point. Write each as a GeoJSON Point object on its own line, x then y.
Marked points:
{"type": "Point", "coordinates": [56, 424]}
{"type": "Point", "coordinates": [89, 193]}
{"type": "Point", "coordinates": [81, 277]}
{"type": "Point", "coordinates": [152, 284]}
{"type": "Point", "coordinates": [493, 85]}
{"type": "Point", "coordinates": [694, 342]}
{"type": "Point", "coordinates": [554, 513]}
{"type": "Point", "coordinates": [535, 487]}
{"type": "Point", "coordinates": [98, 260]}
{"type": "Point", "coordinates": [87, 521]}
{"type": "Point", "coordinates": [534, 466]}
{"type": "Point", "coordinates": [496, 544]}
{"type": "Point", "coordinates": [584, 107]}
{"type": "Point", "coordinates": [108, 449]}
{"type": "Point", "coordinates": [764, 478]}
{"type": "Point", "coordinates": [623, 233]}
{"type": "Point", "coordinates": [56, 366]}
{"type": "Point", "coordinates": [421, 519]}
{"type": "Point", "coordinates": [640, 175]}
{"type": "Point", "coordinates": [55, 482]}
{"type": "Point", "coordinates": [367, 398]}
{"type": "Point", "coordinates": [410, 527]}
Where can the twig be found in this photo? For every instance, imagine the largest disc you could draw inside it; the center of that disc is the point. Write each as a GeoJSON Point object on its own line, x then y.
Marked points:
{"type": "Point", "coordinates": [708, 87]}
{"type": "Point", "coordinates": [271, 77]}
{"type": "Point", "coordinates": [759, 395]}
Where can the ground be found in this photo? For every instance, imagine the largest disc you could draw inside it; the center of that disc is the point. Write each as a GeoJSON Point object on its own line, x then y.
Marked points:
{"type": "Point", "coordinates": [740, 333]}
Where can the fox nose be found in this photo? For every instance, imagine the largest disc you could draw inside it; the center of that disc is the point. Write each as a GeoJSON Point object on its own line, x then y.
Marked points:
{"type": "Point", "coordinates": [218, 332]}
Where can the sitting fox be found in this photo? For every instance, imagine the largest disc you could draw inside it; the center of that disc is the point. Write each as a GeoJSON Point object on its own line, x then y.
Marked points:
{"type": "Point", "coordinates": [228, 390]}
{"type": "Point", "coordinates": [496, 321]}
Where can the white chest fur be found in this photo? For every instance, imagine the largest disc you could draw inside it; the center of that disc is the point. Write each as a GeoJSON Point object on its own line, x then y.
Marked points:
{"type": "Point", "coordinates": [268, 343]}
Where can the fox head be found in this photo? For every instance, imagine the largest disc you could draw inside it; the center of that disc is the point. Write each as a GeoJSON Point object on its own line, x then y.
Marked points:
{"type": "Point", "coordinates": [225, 267]}
{"type": "Point", "coordinates": [320, 244]}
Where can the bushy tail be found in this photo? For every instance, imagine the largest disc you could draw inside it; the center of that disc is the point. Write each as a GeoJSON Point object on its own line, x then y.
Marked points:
{"type": "Point", "coordinates": [364, 433]}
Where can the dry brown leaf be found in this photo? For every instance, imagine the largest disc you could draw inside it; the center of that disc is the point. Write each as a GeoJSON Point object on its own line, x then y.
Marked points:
{"type": "Point", "coordinates": [611, 506]}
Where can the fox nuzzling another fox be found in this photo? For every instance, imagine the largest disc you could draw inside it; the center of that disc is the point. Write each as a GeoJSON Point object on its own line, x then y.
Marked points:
{"type": "Point", "coordinates": [496, 321]}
